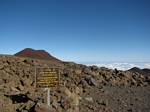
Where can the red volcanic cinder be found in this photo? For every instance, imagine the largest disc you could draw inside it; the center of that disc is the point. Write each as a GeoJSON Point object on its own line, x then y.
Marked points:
{"type": "Point", "coordinates": [36, 54]}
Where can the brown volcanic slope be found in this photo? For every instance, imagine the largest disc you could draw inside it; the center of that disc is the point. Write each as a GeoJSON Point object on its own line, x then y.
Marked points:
{"type": "Point", "coordinates": [37, 54]}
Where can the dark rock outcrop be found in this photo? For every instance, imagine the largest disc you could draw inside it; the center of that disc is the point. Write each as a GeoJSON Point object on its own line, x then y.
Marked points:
{"type": "Point", "coordinates": [145, 72]}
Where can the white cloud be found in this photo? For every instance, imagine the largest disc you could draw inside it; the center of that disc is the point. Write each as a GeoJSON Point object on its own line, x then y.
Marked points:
{"type": "Point", "coordinates": [147, 65]}
{"type": "Point", "coordinates": [122, 66]}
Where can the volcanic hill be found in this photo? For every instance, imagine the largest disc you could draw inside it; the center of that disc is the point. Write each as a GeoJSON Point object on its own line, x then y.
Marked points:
{"type": "Point", "coordinates": [37, 54]}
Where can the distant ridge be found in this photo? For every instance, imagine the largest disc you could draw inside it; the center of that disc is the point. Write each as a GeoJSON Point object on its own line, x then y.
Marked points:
{"type": "Point", "coordinates": [145, 72]}
{"type": "Point", "coordinates": [36, 54]}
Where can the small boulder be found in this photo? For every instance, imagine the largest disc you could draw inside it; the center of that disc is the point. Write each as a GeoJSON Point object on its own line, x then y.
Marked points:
{"type": "Point", "coordinates": [91, 81]}
{"type": "Point", "coordinates": [89, 99]}
{"type": "Point", "coordinates": [87, 70]}
{"type": "Point", "coordinates": [78, 71]}
{"type": "Point", "coordinates": [1, 66]}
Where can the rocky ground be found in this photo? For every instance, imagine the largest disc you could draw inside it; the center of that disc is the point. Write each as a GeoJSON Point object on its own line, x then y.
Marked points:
{"type": "Point", "coordinates": [82, 88]}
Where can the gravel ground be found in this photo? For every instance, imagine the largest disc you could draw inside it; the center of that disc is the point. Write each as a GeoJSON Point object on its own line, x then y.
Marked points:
{"type": "Point", "coordinates": [116, 99]}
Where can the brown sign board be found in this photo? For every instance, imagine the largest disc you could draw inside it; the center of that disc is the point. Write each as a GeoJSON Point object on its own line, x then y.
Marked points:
{"type": "Point", "coordinates": [47, 77]}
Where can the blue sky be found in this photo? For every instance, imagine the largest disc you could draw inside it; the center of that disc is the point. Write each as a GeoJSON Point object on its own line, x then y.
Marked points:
{"type": "Point", "coordinates": [78, 30]}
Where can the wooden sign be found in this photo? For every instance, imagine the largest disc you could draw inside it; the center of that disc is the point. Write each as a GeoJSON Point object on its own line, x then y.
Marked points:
{"type": "Point", "coordinates": [47, 77]}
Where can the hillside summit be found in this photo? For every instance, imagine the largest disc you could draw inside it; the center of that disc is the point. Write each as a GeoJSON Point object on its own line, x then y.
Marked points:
{"type": "Point", "coordinates": [37, 54]}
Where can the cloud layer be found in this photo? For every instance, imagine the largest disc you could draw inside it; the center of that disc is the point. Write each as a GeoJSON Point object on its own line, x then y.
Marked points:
{"type": "Point", "coordinates": [122, 66]}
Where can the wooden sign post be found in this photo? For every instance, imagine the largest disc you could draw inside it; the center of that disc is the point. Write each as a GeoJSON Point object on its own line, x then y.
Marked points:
{"type": "Point", "coordinates": [47, 78]}
{"type": "Point", "coordinates": [48, 97]}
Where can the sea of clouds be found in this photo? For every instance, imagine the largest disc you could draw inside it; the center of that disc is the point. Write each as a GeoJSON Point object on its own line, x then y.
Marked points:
{"type": "Point", "coordinates": [121, 65]}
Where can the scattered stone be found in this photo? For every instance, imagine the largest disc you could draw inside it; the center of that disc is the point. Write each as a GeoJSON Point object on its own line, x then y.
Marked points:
{"type": "Point", "coordinates": [15, 89]}
{"type": "Point", "coordinates": [55, 104]}
{"type": "Point", "coordinates": [1, 66]}
{"type": "Point", "coordinates": [89, 99]}
{"type": "Point", "coordinates": [78, 71]}
{"type": "Point", "coordinates": [87, 70]}
{"type": "Point", "coordinates": [91, 81]}
{"type": "Point", "coordinates": [104, 103]}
